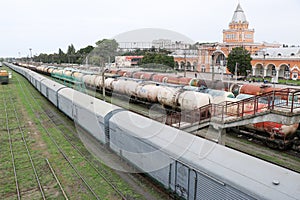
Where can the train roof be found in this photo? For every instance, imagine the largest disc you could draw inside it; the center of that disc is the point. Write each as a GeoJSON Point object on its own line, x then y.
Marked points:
{"type": "Point", "coordinates": [256, 177]}
{"type": "Point", "coordinates": [37, 76]}
{"type": "Point", "coordinates": [55, 86]}
{"type": "Point", "coordinates": [90, 103]}
{"type": "Point", "coordinates": [3, 73]}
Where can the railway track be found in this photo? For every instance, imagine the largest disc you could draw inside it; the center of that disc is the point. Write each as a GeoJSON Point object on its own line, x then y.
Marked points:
{"type": "Point", "coordinates": [31, 177]}
{"type": "Point", "coordinates": [293, 150]}
{"type": "Point", "coordinates": [292, 153]}
{"type": "Point", "coordinates": [49, 121]}
{"type": "Point", "coordinates": [288, 158]}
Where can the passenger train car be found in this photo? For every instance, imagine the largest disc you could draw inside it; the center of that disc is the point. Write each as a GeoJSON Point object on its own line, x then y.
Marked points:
{"type": "Point", "coordinates": [189, 166]}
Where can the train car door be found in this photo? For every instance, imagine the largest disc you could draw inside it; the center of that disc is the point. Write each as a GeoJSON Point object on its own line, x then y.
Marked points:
{"type": "Point", "coordinates": [183, 180]}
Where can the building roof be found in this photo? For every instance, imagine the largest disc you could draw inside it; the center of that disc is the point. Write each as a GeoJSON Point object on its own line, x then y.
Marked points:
{"type": "Point", "coordinates": [287, 52]}
{"type": "Point", "coordinates": [239, 15]}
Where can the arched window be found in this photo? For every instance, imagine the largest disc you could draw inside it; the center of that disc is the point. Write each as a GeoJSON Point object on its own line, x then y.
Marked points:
{"type": "Point", "coordinates": [176, 65]}
{"type": "Point", "coordinates": [221, 60]}
{"type": "Point", "coordinates": [287, 72]}
{"type": "Point", "coordinates": [273, 71]}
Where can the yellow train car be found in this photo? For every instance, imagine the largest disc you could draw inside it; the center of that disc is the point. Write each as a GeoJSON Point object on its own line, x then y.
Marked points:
{"type": "Point", "coordinates": [3, 77]}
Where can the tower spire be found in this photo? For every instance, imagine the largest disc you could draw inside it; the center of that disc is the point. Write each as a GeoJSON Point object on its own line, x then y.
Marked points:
{"type": "Point", "coordinates": [239, 15]}
{"type": "Point", "coordinates": [238, 31]}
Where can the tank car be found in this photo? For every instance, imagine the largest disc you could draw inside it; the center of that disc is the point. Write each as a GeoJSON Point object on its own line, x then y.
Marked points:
{"type": "Point", "coordinates": [89, 80]}
{"type": "Point", "coordinates": [161, 78]}
{"type": "Point", "coordinates": [148, 92]}
{"type": "Point", "coordinates": [50, 69]}
{"type": "Point", "coordinates": [252, 89]}
{"type": "Point", "coordinates": [77, 75]}
{"type": "Point", "coordinates": [183, 100]}
{"type": "Point", "coordinates": [137, 75]}
{"type": "Point", "coordinates": [119, 86]}
{"type": "Point", "coordinates": [173, 80]}
{"type": "Point", "coordinates": [109, 83]}
{"type": "Point", "coordinates": [117, 72]}
{"type": "Point", "coordinates": [147, 76]}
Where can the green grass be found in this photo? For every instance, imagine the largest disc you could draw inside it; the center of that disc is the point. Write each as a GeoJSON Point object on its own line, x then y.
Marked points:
{"type": "Point", "coordinates": [280, 81]}
{"type": "Point", "coordinates": [74, 190]}
{"type": "Point", "coordinates": [289, 82]}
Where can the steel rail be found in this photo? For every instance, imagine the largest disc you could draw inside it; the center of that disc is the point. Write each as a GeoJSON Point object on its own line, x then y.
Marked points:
{"type": "Point", "coordinates": [11, 150]}
{"type": "Point", "coordinates": [58, 182]}
{"type": "Point", "coordinates": [26, 146]}
{"type": "Point", "coordinates": [59, 149]}
{"type": "Point", "coordinates": [109, 182]}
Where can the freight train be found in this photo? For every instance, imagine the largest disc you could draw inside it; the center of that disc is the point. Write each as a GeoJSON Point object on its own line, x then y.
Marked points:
{"type": "Point", "coordinates": [188, 166]}
{"type": "Point", "coordinates": [169, 95]}
{"type": "Point", "coordinates": [235, 88]}
{"type": "Point", "coordinates": [170, 92]}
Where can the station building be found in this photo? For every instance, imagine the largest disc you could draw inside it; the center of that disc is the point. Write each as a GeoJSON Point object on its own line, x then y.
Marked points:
{"type": "Point", "coordinates": [269, 59]}
{"type": "Point", "coordinates": [283, 62]}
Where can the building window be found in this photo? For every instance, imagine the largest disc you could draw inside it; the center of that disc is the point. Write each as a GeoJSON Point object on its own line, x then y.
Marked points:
{"type": "Point", "coordinates": [287, 72]}
{"type": "Point", "coordinates": [203, 68]}
{"type": "Point", "coordinates": [273, 71]}
{"type": "Point", "coordinates": [248, 36]}
{"type": "Point", "coordinates": [295, 75]}
{"type": "Point", "coordinates": [261, 71]}
{"type": "Point", "coordinates": [292, 54]}
{"type": "Point", "coordinates": [230, 36]}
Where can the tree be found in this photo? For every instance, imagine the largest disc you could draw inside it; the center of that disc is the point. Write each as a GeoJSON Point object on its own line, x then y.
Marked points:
{"type": "Point", "coordinates": [83, 53]}
{"type": "Point", "coordinates": [85, 50]}
{"type": "Point", "coordinates": [158, 58]}
{"type": "Point", "coordinates": [71, 50]}
{"type": "Point", "coordinates": [241, 57]}
{"type": "Point", "coordinates": [61, 56]}
{"type": "Point", "coordinates": [104, 52]}
{"type": "Point", "coordinates": [71, 53]}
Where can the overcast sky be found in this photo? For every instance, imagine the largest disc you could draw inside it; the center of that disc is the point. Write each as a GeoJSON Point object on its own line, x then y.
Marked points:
{"type": "Point", "coordinates": [47, 25]}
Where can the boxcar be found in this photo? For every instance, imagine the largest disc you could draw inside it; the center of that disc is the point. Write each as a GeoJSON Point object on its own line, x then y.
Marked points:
{"type": "Point", "coordinates": [195, 168]}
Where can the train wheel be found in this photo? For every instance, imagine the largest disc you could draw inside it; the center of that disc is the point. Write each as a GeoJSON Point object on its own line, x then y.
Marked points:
{"type": "Point", "coordinates": [272, 144]}
{"type": "Point", "coordinates": [281, 145]}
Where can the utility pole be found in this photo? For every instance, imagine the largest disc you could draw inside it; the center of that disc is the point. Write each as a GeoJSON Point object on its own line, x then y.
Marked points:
{"type": "Point", "coordinates": [235, 71]}
{"type": "Point", "coordinates": [222, 71]}
{"type": "Point", "coordinates": [213, 67]}
{"type": "Point", "coordinates": [264, 59]}
{"type": "Point", "coordinates": [184, 75]}
{"type": "Point", "coordinates": [30, 54]}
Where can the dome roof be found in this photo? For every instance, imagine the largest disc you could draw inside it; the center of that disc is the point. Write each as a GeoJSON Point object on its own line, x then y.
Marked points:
{"type": "Point", "coordinates": [239, 15]}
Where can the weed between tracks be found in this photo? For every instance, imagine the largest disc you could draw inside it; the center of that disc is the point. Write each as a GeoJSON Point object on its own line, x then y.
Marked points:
{"type": "Point", "coordinates": [34, 120]}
